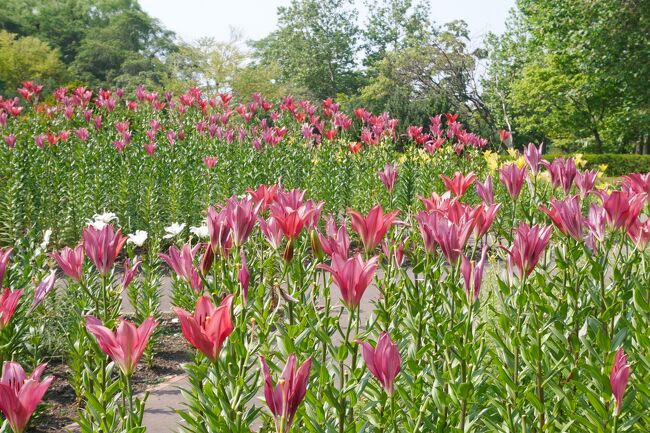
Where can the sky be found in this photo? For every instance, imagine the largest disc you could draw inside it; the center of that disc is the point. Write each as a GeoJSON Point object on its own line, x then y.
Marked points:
{"type": "Point", "coordinates": [193, 19]}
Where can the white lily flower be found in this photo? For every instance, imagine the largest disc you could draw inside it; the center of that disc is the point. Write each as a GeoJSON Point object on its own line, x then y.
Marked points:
{"type": "Point", "coordinates": [46, 239]}
{"type": "Point", "coordinates": [200, 232]}
{"type": "Point", "coordinates": [173, 230]}
{"type": "Point", "coordinates": [137, 238]}
{"type": "Point", "coordinates": [106, 217]}
{"type": "Point", "coordinates": [97, 224]}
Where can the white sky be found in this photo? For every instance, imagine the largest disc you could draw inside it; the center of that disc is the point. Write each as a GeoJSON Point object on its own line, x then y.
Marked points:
{"type": "Point", "coordinates": [192, 19]}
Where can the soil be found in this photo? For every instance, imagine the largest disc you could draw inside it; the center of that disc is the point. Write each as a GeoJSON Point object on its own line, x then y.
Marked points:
{"type": "Point", "coordinates": [59, 406]}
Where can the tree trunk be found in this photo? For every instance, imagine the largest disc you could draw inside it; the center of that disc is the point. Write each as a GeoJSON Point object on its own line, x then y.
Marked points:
{"type": "Point", "coordinates": [647, 145]}
{"type": "Point", "coordinates": [599, 142]}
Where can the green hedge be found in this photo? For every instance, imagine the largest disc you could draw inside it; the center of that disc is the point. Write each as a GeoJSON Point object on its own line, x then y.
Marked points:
{"type": "Point", "coordinates": [618, 164]}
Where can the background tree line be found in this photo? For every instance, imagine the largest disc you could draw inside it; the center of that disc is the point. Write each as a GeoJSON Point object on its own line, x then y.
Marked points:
{"type": "Point", "coordinates": [573, 74]}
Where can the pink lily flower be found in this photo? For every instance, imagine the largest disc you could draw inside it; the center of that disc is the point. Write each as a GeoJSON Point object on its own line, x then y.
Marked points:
{"type": "Point", "coordinates": [567, 216]}
{"type": "Point", "coordinates": [210, 161]}
{"type": "Point", "coordinates": [8, 303]}
{"type": "Point", "coordinates": [437, 202]}
{"type": "Point", "coordinates": [44, 288]}
{"type": "Point", "coordinates": [484, 219]}
{"type": "Point", "coordinates": [452, 236]}
{"type": "Point", "coordinates": [284, 398]}
{"type": "Point", "coordinates": [585, 182]}
{"type": "Point", "coordinates": [485, 191]}
{"type": "Point", "coordinates": [533, 157]}
{"type": "Point", "coordinates": [241, 217]}
{"type": "Point", "coordinates": [426, 222]}
{"type": "Point", "coordinates": [619, 377]}
{"type": "Point", "coordinates": [336, 241]}
{"type": "Point", "coordinates": [473, 275]}
{"type": "Point", "coordinates": [182, 262]}
{"type": "Point", "coordinates": [638, 183]}
{"type": "Point", "coordinates": [71, 261]}
{"type": "Point", "coordinates": [383, 361]}
{"type": "Point", "coordinates": [264, 195]}
{"type": "Point", "coordinates": [292, 220]}
{"type": "Point", "coordinates": [130, 271]}
{"type": "Point", "coordinates": [126, 345]}
{"type": "Point", "coordinates": [513, 178]}
{"type": "Point", "coordinates": [5, 255]}
{"type": "Point", "coordinates": [103, 246]}
{"type": "Point", "coordinates": [459, 184]}
{"type": "Point", "coordinates": [372, 227]}
{"type": "Point", "coordinates": [596, 222]}
{"type": "Point", "coordinates": [272, 231]}
{"type": "Point", "coordinates": [10, 140]}
{"type": "Point", "coordinates": [639, 232]}
{"type": "Point", "coordinates": [209, 327]}
{"type": "Point", "coordinates": [527, 248]}
{"type": "Point", "coordinates": [220, 231]}
{"type": "Point", "coordinates": [622, 208]}
{"type": "Point", "coordinates": [563, 171]}
{"type": "Point", "coordinates": [388, 176]}
{"type": "Point", "coordinates": [20, 395]}
{"type": "Point", "coordinates": [352, 276]}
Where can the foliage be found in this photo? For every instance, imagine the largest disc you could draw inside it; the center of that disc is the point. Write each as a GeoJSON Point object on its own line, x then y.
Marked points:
{"type": "Point", "coordinates": [102, 42]}
{"type": "Point", "coordinates": [436, 73]}
{"type": "Point", "coordinates": [23, 59]}
{"type": "Point", "coordinates": [617, 164]}
{"type": "Point", "coordinates": [315, 46]}
{"type": "Point", "coordinates": [563, 74]}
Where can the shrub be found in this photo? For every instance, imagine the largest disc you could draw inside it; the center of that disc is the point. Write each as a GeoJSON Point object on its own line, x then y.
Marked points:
{"type": "Point", "coordinates": [617, 164]}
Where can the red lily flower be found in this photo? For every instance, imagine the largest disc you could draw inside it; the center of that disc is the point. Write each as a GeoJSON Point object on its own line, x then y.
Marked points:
{"type": "Point", "coordinates": [209, 327]}
{"type": "Point", "coordinates": [460, 183]}
{"type": "Point", "coordinates": [372, 227]}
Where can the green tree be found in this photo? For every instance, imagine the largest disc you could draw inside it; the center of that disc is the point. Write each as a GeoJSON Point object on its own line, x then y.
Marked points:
{"type": "Point", "coordinates": [315, 46]}
{"type": "Point", "coordinates": [581, 79]}
{"type": "Point", "coordinates": [27, 58]}
{"type": "Point", "coordinates": [437, 75]}
{"type": "Point", "coordinates": [207, 63]}
{"type": "Point", "coordinates": [394, 25]}
{"type": "Point", "coordinates": [103, 42]}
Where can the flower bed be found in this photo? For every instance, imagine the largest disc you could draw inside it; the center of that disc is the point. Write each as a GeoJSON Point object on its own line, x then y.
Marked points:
{"type": "Point", "coordinates": [504, 302]}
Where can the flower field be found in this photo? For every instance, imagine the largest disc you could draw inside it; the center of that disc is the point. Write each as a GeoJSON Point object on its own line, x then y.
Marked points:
{"type": "Point", "coordinates": [513, 293]}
